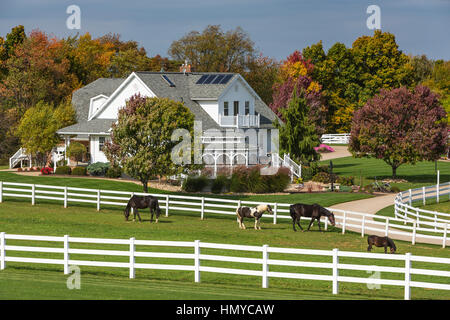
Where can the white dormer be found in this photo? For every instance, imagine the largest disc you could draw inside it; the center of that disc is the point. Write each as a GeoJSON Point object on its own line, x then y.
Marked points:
{"type": "Point", "coordinates": [96, 103]}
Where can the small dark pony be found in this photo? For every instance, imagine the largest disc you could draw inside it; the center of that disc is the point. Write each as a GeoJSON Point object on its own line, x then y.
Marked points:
{"type": "Point", "coordinates": [314, 211]}
{"type": "Point", "coordinates": [142, 202]}
{"type": "Point", "coordinates": [381, 242]}
{"type": "Point", "coordinates": [257, 212]}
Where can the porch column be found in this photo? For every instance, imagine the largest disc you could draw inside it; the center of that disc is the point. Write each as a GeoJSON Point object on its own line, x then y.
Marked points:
{"type": "Point", "coordinates": [66, 144]}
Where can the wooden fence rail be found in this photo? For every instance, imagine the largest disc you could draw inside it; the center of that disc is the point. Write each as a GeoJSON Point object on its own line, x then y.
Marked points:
{"type": "Point", "coordinates": [197, 257]}
{"type": "Point", "coordinates": [360, 222]}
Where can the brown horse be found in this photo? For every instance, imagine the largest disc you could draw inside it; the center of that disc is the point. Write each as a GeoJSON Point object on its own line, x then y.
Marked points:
{"type": "Point", "coordinates": [381, 242]}
{"type": "Point", "coordinates": [257, 212]}
{"type": "Point", "coordinates": [142, 202]}
{"type": "Point", "coordinates": [314, 211]}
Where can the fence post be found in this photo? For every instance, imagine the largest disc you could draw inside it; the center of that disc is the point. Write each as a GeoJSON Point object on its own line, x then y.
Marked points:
{"type": "Point", "coordinates": [413, 240]}
{"type": "Point", "coordinates": [363, 225]}
{"type": "Point", "coordinates": [410, 196]}
{"type": "Point", "coordinates": [335, 271]}
{"type": "Point", "coordinates": [437, 191]}
{"type": "Point", "coordinates": [423, 196]}
{"type": "Point", "coordinates": [386, 230]}
{"type": "Point", "coordinates": [2, 251]}
{"type": "Point", "coordinates": [98, 200]}
{"type": "Point", "coordinates": [167, 205]}
{"type": "Point", "coordinates": [407, 276]}
{"type": "Point", "coordinates": [343, 222]}
{"type": "Point", "coordinates": [444, 237]}
{"type": "Point", "coordinates": [132, 249]}
{"type": "Point", "coordinates": [326, 224]}
{"type": "Point", "coordinates": [65, 197]}
{"type": "Point", "coordinates": [203, 208]}
{"type": "Point", "coordinates": [197, 260]}
{"type": "Point", "coordinates": [66, 254]}
{"type": "Point", "coordinates": [33, 194]}
{"type": "Point", "coordinates": [275, 208]}
{"type": "Point", "coordinates": [1, 191]}
{"type": "Point", "coordinates": [265, 267]}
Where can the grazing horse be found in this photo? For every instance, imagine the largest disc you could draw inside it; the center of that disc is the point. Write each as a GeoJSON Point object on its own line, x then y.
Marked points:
{"type": "Point", "coordinates": [314, 211]}
{"type": "Point", "coordinates": [381, 242]}
{"type": "Point", "coordinates": [257, 212]}
{"type": "Point", "coordinates": [142, 202]}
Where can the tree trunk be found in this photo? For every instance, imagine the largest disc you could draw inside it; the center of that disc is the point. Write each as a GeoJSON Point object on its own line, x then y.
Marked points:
{"type": "Point", "coordinates": [394, 172]}
{"type": "Point", "coordinates": [144, 185]}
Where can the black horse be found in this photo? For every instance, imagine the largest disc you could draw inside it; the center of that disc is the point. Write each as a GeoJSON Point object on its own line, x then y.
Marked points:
{"type": "Point", "coordinates": [381, 242]}
{"type": "Point", "coordinates": [314, 211]}
{"type": "Point", "coordinates": [142, 202]}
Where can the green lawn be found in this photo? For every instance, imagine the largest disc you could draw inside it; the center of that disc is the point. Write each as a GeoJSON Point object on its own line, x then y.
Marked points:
{"type": "Point", "coordinates": [33, 281]}
{"type": "Point", "coordinates": [421, 174]}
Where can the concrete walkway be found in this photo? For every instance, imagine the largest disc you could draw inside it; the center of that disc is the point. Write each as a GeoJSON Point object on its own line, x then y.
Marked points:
{"type": "Point", "coordinates": [372, 206]}
{"type": "Point", "coordinates": [339, 152]}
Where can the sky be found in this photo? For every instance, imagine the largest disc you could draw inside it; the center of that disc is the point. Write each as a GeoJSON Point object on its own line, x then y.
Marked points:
{"type": "Point", "coordinates": [277, 27]}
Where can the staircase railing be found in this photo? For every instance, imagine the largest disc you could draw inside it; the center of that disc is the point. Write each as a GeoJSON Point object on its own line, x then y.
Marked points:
{"type": "Point", "coordinates": [18, 156]}
{"type": "Point", "coordinates": [287, 162]}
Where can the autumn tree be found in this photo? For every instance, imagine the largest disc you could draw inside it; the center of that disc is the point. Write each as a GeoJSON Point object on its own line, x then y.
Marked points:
{"type": "Point", "coordinates": [295, 74]}
{"type": "Point", "coordinates": [37, 71]}
{"type": "Point", "coordinates": [141, 140]}
{"type": "Point", "coordinates": [214, 50]}
{"type": "Point", "coordinates": [400, 127]}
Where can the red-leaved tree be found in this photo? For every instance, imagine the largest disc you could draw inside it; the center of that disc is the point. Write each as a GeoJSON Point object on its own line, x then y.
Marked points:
{"type": "Point", "coordinates": [400, 127]}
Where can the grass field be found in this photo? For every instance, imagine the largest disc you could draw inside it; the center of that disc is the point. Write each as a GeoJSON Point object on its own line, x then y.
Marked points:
{"type": "Point", "coordinates": [31, 281]}
{"type": "Point", "coordinates": [420, 174]}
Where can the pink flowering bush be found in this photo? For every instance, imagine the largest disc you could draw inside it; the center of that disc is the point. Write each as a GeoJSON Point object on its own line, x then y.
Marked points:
{"type": "Point", "coordinates": [323, 148]}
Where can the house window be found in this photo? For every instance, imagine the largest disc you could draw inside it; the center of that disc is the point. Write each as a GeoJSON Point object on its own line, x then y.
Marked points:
{"type": "Point", "coordinates": [225, 108]}
{"type": "Point", "coordinates": [247, 107]}
{"type": "Point", "coordinates": [101, 143]}
{"type": "Point", "coordinates": [236, 108]}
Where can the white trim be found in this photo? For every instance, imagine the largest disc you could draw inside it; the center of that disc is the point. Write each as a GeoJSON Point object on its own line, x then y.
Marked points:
{"type": "Point", "coordinates": [131, 77]}
{"type": "Point", "coordinates": [91, 102]}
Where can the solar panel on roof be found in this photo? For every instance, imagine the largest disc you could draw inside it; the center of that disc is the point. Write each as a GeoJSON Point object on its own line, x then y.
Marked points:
{"type": "Point", "coordinates": [226, 78]}
{"type": "Point", "coordinates": [202, 79]}
{"type": "Point", "coordinates": [168, 80]}
{"type": "Point", "coordinates": [218, 79]}
{"type": "Point", "coordinates": [210, 79]}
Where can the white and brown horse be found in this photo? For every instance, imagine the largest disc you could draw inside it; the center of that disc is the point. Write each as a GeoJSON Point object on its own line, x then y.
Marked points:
{"type": "Point", "coordinates": [256, 213]}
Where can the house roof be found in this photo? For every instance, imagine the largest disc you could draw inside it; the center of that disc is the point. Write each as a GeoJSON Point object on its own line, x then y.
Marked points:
{"type": "Point", "coordinates": [185, 90]}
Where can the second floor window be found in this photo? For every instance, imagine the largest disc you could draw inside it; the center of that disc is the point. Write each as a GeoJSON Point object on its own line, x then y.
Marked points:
{"type": "Point", "coordinates": [236, 108]}
{"type": "Point", "coordinates": [247, 107]}
{"type": "Point", "coordinates": [225, 108]}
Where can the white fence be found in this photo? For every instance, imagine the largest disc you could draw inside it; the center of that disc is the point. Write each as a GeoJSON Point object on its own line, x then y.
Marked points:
{"type": "Point", "coordinates": [432, 219]}
{"type": "Point", "coordinates": [338, 138]}
{"type": "Point", "coordinates": [196, 257]}
{"type": "Point", "coordinates": [346, 220]}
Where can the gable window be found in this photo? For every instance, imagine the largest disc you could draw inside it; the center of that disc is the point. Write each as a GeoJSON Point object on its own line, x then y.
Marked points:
{"type": "Point", "coordinates": [225, 108]}
{"type": "Point", "coordinates": [236, 108]}
{"type": "Point", "coordinates": [247, 107]}
{"type": "Point", "coordinates": [101, 143]}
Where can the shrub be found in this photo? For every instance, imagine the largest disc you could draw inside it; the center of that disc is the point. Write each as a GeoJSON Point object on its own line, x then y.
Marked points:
{"type": "Point", "coordinates": [346, 181]}
{"type": "Point", "coordinates": [114, 172]}
{"type": "Point", "coordinates": [323, 148]}
{"type": "Point", "coordinates": [395, 189]}
{"type": "Point", "coordinates": [63, 170]}
{"type": "Point", "coordinates": [323, 177]}
{"type": "Point", "coordinates": [79, 171]}
{"type": "Point", "coordinates": [194, 184]}
{"type": "Point", "coordinates": [19, 169]}
{"type": "Point", "coordinates": [46, 171]}
{"type": "Point", "coordinates": [98, 168]}
{"type": "Point", "coordinates": [220, 184]}
{"type": "Point", "coordinates": [279, 181]}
